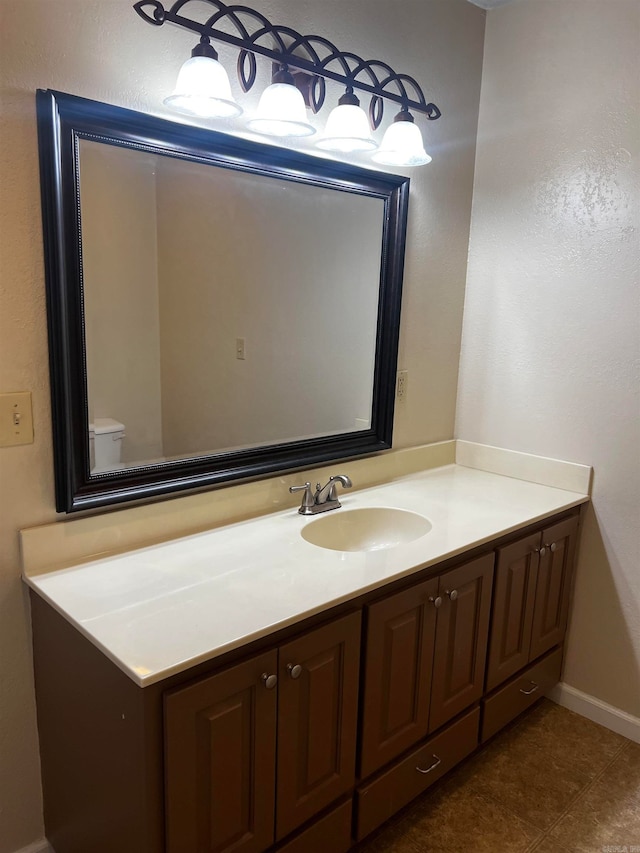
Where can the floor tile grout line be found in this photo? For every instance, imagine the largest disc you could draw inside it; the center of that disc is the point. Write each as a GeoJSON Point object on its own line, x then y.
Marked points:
{"type": "Point", "coordinates": [536, 844]}
{"type": "Point", "coordinates": [545, 833]}
{"type": "Point", "coordinates": [495, 802]}
{"type": "Point", "coordinates": [582, 792]}
{"type": "Point", "coordinates": [543, 838]}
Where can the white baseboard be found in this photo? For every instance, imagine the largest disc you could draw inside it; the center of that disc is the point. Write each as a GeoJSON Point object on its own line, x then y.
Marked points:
{"type": "Point", "coordinates": [41, 846]}
{"type": "Point", "coordinates": [593, 709]}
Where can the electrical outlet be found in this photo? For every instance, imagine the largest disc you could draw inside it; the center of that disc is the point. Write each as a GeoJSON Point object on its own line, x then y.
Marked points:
{"type": "Point", "coordinates": [240, 349]}
{"type": "Point", "coordinates": [402, 382]}
{"type": "Point", "coordinates": [16, 419]}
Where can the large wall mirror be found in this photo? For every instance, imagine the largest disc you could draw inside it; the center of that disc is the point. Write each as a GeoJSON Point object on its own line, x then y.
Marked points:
{"type": "Point", "coordinates": [218, 308]}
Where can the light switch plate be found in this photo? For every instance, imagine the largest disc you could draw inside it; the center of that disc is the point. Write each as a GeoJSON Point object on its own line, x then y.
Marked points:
{"type": "Point", "coordinates": [16, 419]}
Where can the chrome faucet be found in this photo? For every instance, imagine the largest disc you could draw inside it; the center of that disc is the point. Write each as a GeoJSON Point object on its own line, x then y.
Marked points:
{"type": "Point", "coordinates": [324, 498]}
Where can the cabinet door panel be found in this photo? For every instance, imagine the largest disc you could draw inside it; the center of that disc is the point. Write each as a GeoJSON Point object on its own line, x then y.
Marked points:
{"type": "Point", "coordinates": [220, 761]}
{"type": "Point", "coordinates": [461, 639]}
{"type": "Point", "coordinates": [317, 720]}
{"type": "Point", "coordinates": [399, 661]}
{"type": "Point", "coordinates": [513, 601]}
{"type": "Point", "coordinates": [554, 586]}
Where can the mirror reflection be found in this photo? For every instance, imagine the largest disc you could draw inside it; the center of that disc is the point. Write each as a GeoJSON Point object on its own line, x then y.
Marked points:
{"type": "Point", "coordinates": [223, 309]}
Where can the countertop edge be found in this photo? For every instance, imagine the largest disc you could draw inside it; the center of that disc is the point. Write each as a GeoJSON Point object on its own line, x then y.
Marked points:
{"type": "Point", "coordinates": [300, 616]}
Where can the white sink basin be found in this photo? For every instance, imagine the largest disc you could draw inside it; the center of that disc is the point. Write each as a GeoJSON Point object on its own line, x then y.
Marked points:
{"type": "Point", "coordinates": [366, 529]}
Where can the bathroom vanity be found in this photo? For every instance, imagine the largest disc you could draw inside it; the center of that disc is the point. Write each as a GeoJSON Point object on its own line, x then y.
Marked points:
{"type": "Point", "coordinates": [244, 689]}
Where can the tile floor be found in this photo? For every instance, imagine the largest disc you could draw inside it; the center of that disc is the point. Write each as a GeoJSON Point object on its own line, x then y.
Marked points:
{"type": "Point", "coordinates": [552, 782]}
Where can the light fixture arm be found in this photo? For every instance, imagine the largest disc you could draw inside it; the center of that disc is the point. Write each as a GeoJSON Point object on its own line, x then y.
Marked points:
{"type": "Point", "coordinates": [315, 55]}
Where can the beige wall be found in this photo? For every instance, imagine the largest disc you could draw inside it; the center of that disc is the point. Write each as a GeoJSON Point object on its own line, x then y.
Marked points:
{"type": "Point", "coordinates": [552, 327]}
{"type": "Point", "coordinates": [122, 317]}
{"type": "Point", "coordinates": [100, 49]}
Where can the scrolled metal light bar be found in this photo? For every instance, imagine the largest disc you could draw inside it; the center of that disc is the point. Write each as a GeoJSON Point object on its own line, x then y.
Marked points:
{"type": "Point", "coordinates": [321, 53]}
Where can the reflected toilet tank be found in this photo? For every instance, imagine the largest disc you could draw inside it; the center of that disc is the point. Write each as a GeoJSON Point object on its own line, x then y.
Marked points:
{"type": "Point", "coordinates": [105, 444]}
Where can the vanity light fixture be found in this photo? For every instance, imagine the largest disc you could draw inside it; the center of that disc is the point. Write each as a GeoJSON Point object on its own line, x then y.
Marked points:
{"type": "Point", "coordinates": [347, 127]}
{"type": "Point", "coordinates": [203, 88]}
{"type": "Point", "coordinates": [402, 143]}
{"type": "Point", "coordinates": [281, 110]}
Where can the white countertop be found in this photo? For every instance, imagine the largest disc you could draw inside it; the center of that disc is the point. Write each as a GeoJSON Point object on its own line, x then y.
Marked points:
{"type": "Point", "coordinates": [160, 610]}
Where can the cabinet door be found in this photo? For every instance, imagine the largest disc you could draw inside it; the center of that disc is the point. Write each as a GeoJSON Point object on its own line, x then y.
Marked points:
{"type": "Point", "coordinates": [555, 573]}
{"type": "Point", "coordinates": [462, 628]}
{"type": "Point", "coordinates": [513, 601]}
{"type": "Point", "coordinates": [317, 720]}
{"type": "Point", "coordinates": [220, 761]}
{"type": "Point", "coordinates": [397, 674]}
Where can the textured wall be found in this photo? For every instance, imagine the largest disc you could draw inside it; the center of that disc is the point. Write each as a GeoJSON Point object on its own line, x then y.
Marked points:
{"type": "Point", "coordinates": [100, 49]}
{"type": "Point", "coordinates": [550, 349]}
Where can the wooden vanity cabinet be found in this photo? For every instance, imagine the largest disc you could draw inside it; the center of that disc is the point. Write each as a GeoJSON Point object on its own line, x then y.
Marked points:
{"type": "Point", "coordinates": [425, 657]}
{"type": "Point", "coordinates": [531, 601]}
{"type": "Point", "coordinates": [225, 779]}
{"type": "Point", "coordinates": [258, 752]}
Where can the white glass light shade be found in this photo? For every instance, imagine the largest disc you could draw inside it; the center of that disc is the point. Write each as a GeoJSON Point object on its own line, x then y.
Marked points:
{"type": "Point", "coordinates": [281, 112]}
{"type": "Point", "coordinates": [402, 146]}
{"type": "Point", "coordinates": [347, 130]}
{"type": "Point", "coordinates": [203, 90]}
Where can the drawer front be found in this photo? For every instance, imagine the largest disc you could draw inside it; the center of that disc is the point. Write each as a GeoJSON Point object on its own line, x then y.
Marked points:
{"type": "Point", "coordinates": [332, 832]}
{"type": "Point", "coordinates": [393, 789]}
{"type": "Point", "coordinates": [520, 693]}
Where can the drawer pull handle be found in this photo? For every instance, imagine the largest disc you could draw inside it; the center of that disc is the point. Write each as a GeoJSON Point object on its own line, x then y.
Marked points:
{"type": "Point", "coordinates": [452, 593]}
{"type": "Point", "coordinates": [294, 670]}
{"type": "Point", "coordinates": [532, 690]}
{"type": "Point", "coordinates": [437, 601]}
{"type": "Point", "coordinates": [433, 766]}
{"type": "Point", "coordinates": [269, 681]}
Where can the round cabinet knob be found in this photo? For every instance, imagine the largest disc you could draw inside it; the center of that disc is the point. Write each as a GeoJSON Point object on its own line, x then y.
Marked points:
{"type": "Point", "coordinates": [541, 551]}
{"type": "Point", "coordinates": [295, 671]}
{"type": "Point", "coordinates": [437, 601]}
{"type": "Point", "coordinates": [453, 594]}
{"type": "Point", "coordinates": [552, 547]}
{"type": "Point", "coordinates": [269, 681]}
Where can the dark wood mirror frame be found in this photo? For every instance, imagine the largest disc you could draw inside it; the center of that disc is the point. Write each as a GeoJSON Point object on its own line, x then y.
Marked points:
{"type": "Point", "coordinates": [65, 119]}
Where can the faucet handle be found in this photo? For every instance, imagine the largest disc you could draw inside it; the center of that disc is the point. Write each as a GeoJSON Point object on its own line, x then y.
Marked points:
{"type": "Point", "coordinates": [307, 498]}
